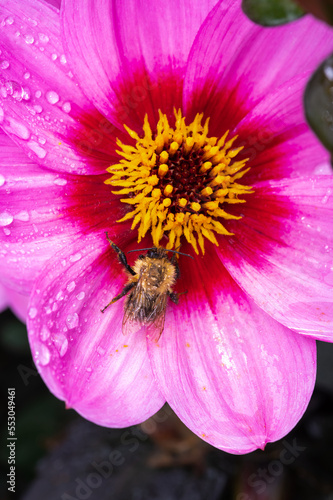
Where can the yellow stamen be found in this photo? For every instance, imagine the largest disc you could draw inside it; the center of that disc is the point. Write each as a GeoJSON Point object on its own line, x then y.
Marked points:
{"type": "Point", "coordinates": [179, 181]}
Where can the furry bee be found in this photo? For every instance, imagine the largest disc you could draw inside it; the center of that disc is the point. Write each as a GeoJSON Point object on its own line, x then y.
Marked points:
{"type": "Point", "coordinates": [150, 284]}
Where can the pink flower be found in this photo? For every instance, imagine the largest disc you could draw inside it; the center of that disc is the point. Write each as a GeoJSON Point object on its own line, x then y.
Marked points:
{"type": "Point", "coordinates": [237, 358]}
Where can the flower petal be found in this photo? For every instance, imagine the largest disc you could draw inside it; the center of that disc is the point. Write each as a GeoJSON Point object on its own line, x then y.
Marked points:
{"type": "Point", "coordinates": [141, 67]}
{"type": "Point", "coordinates": [41, 105]}
{"type": "Point", "coordinates": [281, 254]}
{"type": "Point", "coordinates": [81, 353]}
{"type": "Point", "coordinates": [41, 211]}
{"type": "Point", "coordinates": [233, 375]}
{"type": "Point", "coordinates": [276, 138]}
{"type": "Point", "coordinates": [234, 63]}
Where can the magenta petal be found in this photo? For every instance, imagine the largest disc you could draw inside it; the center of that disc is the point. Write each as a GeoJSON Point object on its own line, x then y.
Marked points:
{"type": "Point", "coordinates": [128, 49]}
{"type": "Point", "coordinates": [233, 375]}
{"type": "Point", "coordinates": [276, 138]}
{"type": "Point", "coordinates": [233, 61]}
{"type": "Point", "coordinates": [41, 105]}
{"type": "Point", "coordinates": [82, 354]}
{"type": "Point", "coordinates": [41, 211]}
{"type": "Point", "coordinates": [281, 254]}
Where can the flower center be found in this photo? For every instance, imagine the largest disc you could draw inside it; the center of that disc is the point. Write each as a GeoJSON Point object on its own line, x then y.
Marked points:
{"type": "Point", "coordinates": [179, 181]}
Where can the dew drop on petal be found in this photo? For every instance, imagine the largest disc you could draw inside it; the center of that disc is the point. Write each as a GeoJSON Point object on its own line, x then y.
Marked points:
{"type": "Point", "coordinates": [29, 39]}
{"type": "Point", "coordinates": [4, 64]}
{"type": "Point", "coordinates": [327, 196]}
{"type": "Point", "coordinates": [43, 38]}
{"type": "Point", "coordinates": [71, 286]}
{"type": "Point", "coordinates": [26, 75]}
{"type": "Point", "coordinates": [75, 257]}
{"type": "Point", "coordinates": [38, 93]}
{"type": "Point", "coordinates": [38, 108]}
{"type": "Point", "coordinates": [100, 350]}
{"type": "Point", "coordinates": [66, 107]}
{"type": "Point", "coordinates": [80, 296]}
{"type": "Point", "coordinates": [52, 97]}
{"type": "Point", "coordinates": [9, 20]}
{"type": "Point", "coordinates": [45, 333]}
{"type": "Point", "coordinates": [36, 148]}
{"type": "Point", "coordinates": [72, 321]}
{"type": "Point", "coordinates": [32, 313]}
{"type": "Point", "coordinates": [6, 231]}
{"type": "Point", "coordinates": [6, 219]}
{"type": "Point", "coordinates": [43, 355]}
{"type": "Point", "coordinates": [2, 180]}
{"type": "Point", "coordinates": [18, 129]}
{"type": "Point", "coordinates": [60, 182]}
{"type": "Point", "coordinates": [61, 343]}
{"type": "Point", "coordinates": [54, 57]}
{"type": "Point", "coordinates": [63, 59]}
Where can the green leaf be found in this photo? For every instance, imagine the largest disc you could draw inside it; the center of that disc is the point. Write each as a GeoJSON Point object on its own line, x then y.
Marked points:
{"type": "Point", "coordinates": [271, 12]}
{"type": "Point", "coordinates": [318, 101]}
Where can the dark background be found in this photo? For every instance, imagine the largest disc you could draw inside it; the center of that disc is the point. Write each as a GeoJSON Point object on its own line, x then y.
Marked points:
{"type": "Point", "coordinates": [59, 455]}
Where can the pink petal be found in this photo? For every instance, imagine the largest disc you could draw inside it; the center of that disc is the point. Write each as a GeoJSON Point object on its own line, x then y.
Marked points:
{"type": "Point", "coordinates": [276, 138]}
{"type": "Point", "coordinates": [141, 66]}
{"type": "Point", "coordinates": [234, 63]}
{"type": "Point", "coordinates": [233, 375]}
{"type": "Point", "coordinates": [82, 354]}
{"type": "Point", "coordinates": [41, 211]}
{"type": "Point", "coordinates": [41, 105]}
{"type": "Point", "coordinates": [281, 254]}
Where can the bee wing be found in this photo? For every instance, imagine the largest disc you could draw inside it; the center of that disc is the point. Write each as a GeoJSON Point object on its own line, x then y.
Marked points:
{"type": "Point", "coordinates": [134, 302]}
{"type": "Point", "coordinates": [155, 327]}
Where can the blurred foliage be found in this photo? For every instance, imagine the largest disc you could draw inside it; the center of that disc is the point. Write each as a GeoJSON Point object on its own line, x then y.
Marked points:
{"type": "Point", "coordinates": [318, 101]}
{"type": "Point", "coordinates": [62, 456]}
{"type": "Point", "coordinates": [271, 12]}
{"type": "Point", "coordinates": [323, 9]}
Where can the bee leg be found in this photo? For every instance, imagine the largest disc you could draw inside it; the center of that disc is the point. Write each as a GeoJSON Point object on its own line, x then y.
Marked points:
{"type": "Point", "coordinates": [175, 296]}
{"type": "Point", "coordinates": [125, 290]}
{"type": "Point", "coordinates": [121, 256]}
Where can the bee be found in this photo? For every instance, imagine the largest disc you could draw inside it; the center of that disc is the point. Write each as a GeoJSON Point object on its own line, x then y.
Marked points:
{"type": "Point", "coordinates": [149, 285]}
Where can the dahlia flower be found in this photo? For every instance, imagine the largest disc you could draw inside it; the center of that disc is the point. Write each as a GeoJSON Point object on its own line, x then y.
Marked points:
{"type": "Point", "coordinates": [169, 125]}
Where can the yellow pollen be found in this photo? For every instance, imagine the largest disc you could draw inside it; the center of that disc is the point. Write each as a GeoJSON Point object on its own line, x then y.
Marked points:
{"type": "Point", "coordinates": [168, 190]}
{"type": "Point", "coordinates": [173, 147]}
{"type": "Point", "coordinates": [178, 182]}
{"type": "Point", "coordinates": [163, 170]}
{"type": "Point", "coordinates": [195, 206]}
{"type": "Point", "coordinates": [164, 156]}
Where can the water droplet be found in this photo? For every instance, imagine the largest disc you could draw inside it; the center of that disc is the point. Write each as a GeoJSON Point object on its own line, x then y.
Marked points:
{"type": "Point", "coordinates": [54, 57]}
{"type": "Point", "coordinates": [45, 333]}
{"type": "Point", "coordinates": [75, 257]}
{"type": "Point", "coordinates": [52, 97]}
{"type": "Point", "coordinates": [72, 321]}
{"type": "Point", "coordinates": [100, 350]}
{"type": "Point", "coordinates": [60, 295]}
{"type": "Point", "coordinates": [71, 286]}
{"type": "Point", "coordinates": [41, 140]}
{"type": "Point", "coordinates": [80, 296]}
{"type": "Point", "coordinates": [9, 20]}
{"type": "Point", "coordinates": [29, 39]}
{"type": "Point", "coordinates": [43, 354]}
{"type": "Point", "coordinates": [38, 93]}
{"type": "Point", "coordinates": [89, 369]}
{"type": "Point", "coordinates": [6, 231]}
{"type": "Point", "coordinates": [4, 64]}
{"type": "Point", "coordinates": [23, 216]}
{"type": "Point", "coordinates": [61, 343]}
{"type": "Point", "coordinates": [2, 115]}
{"type": "Point", "coordinates": [2, 180]}
{"type": "Point", "coordinates": [6, 219]}
{"type": "Point", "coordinates": [60, 182]}
{"type": "Point", "coordinates": [66, 107]}
{"type": "Point", "coordinates": [63, 59]}
{"type": "Point", "coordinates": [36, 148]}
{"type": "Point", "coordinates": [26, 94]}
{"type": "Point", "coordinates": [32, 313]}
{"type": "Point", "coordinates": [38, 108]}
{"type": "Point", "coordinates": [18, 129]}
{"type": "Point", "coordinates": [26, 75]}
{"type": "Point", "coordinates": [43, 38]}
{"type": "Point", "coordinates": [327, 196]}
